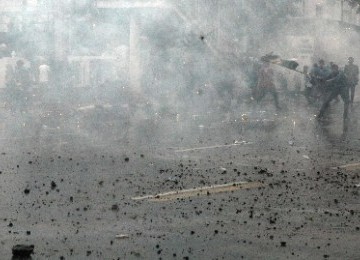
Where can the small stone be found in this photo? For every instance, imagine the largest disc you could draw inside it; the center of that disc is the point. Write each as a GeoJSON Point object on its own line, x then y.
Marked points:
{"type": "Point", "coordinates": [53, 185]}
{"type": "Point", "coordinates": [115, 207]}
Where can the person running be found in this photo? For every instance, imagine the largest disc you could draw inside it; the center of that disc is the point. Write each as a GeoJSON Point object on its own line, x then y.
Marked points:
{"type": "Point", "coordinates": [337, 85]}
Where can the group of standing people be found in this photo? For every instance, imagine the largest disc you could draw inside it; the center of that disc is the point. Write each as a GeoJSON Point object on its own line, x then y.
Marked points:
{"type": "Point", "coordinates": [20, 80]}
{"type": "Point", "coordinates": [24, 77]}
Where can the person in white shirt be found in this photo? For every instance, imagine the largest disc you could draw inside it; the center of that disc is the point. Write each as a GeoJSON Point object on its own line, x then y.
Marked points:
{"type": "Point", "coordinates": [44, 75]}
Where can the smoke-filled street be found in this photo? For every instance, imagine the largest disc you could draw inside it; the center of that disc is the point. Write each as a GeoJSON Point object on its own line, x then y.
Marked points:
{"type": "Point", "coordinates": [168, 129]}
{"type": "Point", "coordinates": [290, 187]}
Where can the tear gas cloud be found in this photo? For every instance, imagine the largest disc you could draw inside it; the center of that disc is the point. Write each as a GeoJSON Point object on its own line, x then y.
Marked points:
{"type": "Point", "coordinates": [175, 60]}
{"type": "Point", "coordinates": [140, 129]}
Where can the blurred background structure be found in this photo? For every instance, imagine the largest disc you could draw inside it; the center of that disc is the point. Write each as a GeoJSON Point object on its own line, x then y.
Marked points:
{"type": "Point", "coordinates": [118, 39]}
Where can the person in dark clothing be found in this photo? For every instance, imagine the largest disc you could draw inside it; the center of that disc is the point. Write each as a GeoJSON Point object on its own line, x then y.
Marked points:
{"type": "Point", "coordinates": [336, 85]}
{"type": "Point", "coordinates": [22, 77]}
{"type": "Point", "coordinates": [352, 75]}
{"type": "Point", "coordinates": [320, 75]}
{"type": "Point", "coordinates": [315, 81]}
{"type": "Point", "coordinates": [22, 85]}
{"type": "Point", "coordinates": [266, 84]}
{"type": "Point", "coordinates": [308, 86]}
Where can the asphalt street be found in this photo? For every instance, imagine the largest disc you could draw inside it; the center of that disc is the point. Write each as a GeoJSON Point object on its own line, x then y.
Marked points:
{"type": "Point", "coordinates": [253, 183]}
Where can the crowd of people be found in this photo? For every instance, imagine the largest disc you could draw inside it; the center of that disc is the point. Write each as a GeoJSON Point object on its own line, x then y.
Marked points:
{"type": "Point", "coordinates": [323, 83]}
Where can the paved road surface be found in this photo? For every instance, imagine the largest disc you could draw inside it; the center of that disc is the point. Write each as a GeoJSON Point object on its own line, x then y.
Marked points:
{"type": "Point", "coordinates": [69, 188]}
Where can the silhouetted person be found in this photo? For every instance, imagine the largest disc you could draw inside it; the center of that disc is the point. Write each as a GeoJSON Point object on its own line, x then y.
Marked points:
{"type": "Point", "coordinates": [337, 85]}
{"type": "Point", "coordinates": [321, 74]}
{"type": "Point", "coordinates": [44, 74]}
{"type": "Point", "coordinates": [315, 92]}
{"type": "Point", "coordinates": [352, 75]}
{"type": "Point", "coordinates": [22, 76]}
{"type": "Point", "coordinates": [22, 84]}
{"type": "Point", "coordinates": [313, 69]}
{"type": "Point", "coordinates": [308, 87]}
{"type": "Point", "coordinates": [266, 84]}
{"type": "Point", "coordinates": [322, 71]}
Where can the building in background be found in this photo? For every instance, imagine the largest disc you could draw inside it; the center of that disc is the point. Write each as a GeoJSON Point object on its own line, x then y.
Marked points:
{"type": "Point", "coordinates": [307, 30]}
{"type": "Point", "coordinates": [122, 40]}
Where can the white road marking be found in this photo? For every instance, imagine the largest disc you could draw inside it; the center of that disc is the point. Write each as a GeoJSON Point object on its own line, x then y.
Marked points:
{"type": "Point", "coordinates": [351, 166]}
{"type": "Point", "coordinates": [211, 147]}
{"type": "Point", "coordinates": [171, 195]}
